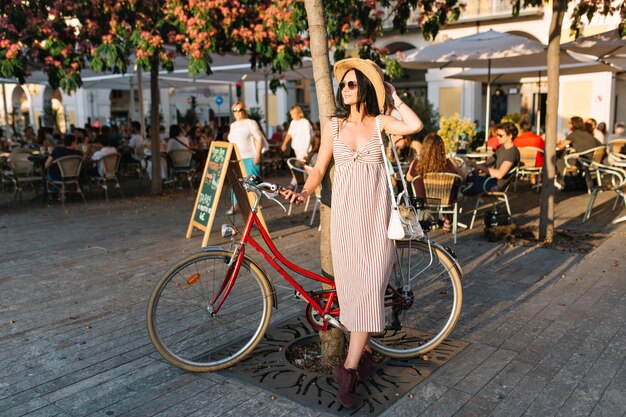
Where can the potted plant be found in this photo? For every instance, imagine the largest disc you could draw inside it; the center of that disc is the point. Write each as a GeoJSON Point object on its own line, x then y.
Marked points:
{"type": "Point", "coordinates": [453, 129]}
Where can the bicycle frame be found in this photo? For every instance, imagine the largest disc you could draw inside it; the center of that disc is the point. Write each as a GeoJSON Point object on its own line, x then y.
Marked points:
{"type": "Point", "coordinates": [277, 261]}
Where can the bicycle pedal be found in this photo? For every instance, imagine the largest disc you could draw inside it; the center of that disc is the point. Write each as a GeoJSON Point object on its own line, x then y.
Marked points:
{"type": "Point", "coordinates": [298, 296]}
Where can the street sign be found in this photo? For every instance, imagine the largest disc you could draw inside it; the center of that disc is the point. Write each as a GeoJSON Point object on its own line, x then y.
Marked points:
{"type": "Point", "coordinates": [219, 100]}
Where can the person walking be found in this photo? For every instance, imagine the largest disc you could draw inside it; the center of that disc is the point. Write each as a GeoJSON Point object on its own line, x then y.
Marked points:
{"type": "Point", "coordinates": [247, 135]}
{"type": "Point", "coordinates": [299, 134]}
{"type": "Point", "coordinates": [362, 254]}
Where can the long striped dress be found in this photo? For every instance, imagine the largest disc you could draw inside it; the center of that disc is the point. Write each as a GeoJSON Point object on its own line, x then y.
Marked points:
{"type": "Point", "coordinates": [362, 253]}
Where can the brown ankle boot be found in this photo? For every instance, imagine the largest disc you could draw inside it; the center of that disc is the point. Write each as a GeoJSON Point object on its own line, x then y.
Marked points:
{"type": "Point", "coordinates": [366, 363]}
{"type": "Point", "coordinates": [347, 379]}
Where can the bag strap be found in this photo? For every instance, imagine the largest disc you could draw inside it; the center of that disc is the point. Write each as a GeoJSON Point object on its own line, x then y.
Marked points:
{"type": "Point", "coordinates": [183, 143]}
{"type": "Point", "coordinates": [394, 204]}
{"type": "Point", "coordinates": [404, 194]}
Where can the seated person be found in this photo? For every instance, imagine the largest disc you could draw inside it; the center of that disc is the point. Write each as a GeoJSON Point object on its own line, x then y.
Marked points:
{"type": "Point", "coordinates": [432, 159]}
{"type": "Point", "coordinates": [406, 152]}
{"type": "Point", "coordinates": [618, 133]}
{"type": "Point", "coordinates": [578, 139]}
{"type": "Point", "coordinates": [492, 141]}
{"type": "Point", "coordinates": [102, 148]}
{"type": "Point", "coordinates": [69, 148]}
{"type": "Point", "coordinates": [177, 140]}
{"type": "Point", "coordinates": [147, 161]}
{"type": "Point", "coordinates": [498, 166]}
{"type": "Point", "coordinates": [136, 140]}
{"type": "Point", "coordinates": [528, 138]}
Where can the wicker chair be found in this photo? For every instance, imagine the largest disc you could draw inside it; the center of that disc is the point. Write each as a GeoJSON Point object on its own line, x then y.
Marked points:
{"type": "Point", "coordinates": [22, 173]}
{"type": "Point", "coordinates": [527, 168]}
{"type": "Point", "coordinates": [69, 167]}
{"type": "Point", "coordinates": [111, 165]}
{"type": "Point", "coordinates": [182, 164]}
{"type": "Point", "coordinates": [443, 187]}
{"type": "Point", "coordinates": [616, 150]}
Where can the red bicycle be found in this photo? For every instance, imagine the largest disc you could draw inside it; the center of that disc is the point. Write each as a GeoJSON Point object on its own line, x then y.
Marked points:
{"type": "Point", "coordinates": [211, 309]}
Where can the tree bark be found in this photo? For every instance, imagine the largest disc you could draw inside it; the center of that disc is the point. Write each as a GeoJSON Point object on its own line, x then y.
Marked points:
{"type": "Point", "coordinates": [155, 140]}
{"type": "Point", "coordinates": [546, 216]}
{"type": "Point", "coordinates": [332, 340]}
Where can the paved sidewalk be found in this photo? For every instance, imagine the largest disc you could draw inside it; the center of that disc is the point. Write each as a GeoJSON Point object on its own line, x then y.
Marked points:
{"type": "Point", "coordinates": [547, 327]}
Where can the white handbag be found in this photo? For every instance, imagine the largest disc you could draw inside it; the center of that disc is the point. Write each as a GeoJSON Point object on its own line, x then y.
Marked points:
{"type": "Point", "coordinates": [403, 220]}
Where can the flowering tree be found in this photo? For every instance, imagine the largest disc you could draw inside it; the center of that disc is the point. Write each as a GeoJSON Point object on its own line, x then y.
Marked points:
{"type": "Point", "coordinates": [62, 37]}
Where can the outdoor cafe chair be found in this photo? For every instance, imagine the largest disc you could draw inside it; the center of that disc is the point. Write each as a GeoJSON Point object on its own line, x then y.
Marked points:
{"type": "Point", "coordinates": [496, 196]}
{"type": "Point", "coordinates": [318, 198]}
{"type": "Point", "coordinates": [527, 168]}
{"type": "Point", "coordinates": [575, 159]}
{"type": "Point", "coordinates": [22, 173]}
{"type": "Point", "coordinates": [442, 195]}
{"type": "Point", "coordinates": [111, 164]}
{"type": "Point", "coordinates": [614, 179]}
{"type": "Point", "coordinates": [616, 150]}
{"type": "Point", "coordinates": [182, 164]}
{"type": "Point", "coordinates": [69, 167]}
{"type": "Point", "coordinates": [6, 175]}
{"type": "Point", "coordinates": [298, 174]}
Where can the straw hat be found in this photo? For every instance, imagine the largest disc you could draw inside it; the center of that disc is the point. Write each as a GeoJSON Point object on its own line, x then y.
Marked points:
{"type": "Point", "coordinates": [370, 70]}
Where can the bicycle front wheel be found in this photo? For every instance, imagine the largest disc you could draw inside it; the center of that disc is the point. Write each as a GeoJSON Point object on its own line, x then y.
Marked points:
{"type": "Point", "coordinates": [422, 302]}
{"type": "Point", "coordinates": [183, 324]}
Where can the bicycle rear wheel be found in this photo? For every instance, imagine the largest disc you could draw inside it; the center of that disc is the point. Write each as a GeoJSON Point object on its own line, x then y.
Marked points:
{"type": "Point", "coordinates": [422, 302]}
{"type": "Point", "coordinates": [182, 323]}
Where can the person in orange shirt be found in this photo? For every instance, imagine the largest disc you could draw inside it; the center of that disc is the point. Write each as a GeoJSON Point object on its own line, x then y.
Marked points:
{"type": "Point", "coordinates": [492, 141]}
{"type": "Point", "coordinates": [528, 138]}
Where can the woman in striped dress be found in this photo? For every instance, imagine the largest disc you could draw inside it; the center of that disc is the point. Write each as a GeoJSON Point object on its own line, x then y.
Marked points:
{"type": "Point", "coordinates": [362, 254]}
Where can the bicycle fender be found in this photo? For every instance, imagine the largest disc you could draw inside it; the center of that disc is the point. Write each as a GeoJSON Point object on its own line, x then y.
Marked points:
{"type": "Point", "coordinates": [212, 248]}
{"type": "Point", "coordinates": [450, 252]}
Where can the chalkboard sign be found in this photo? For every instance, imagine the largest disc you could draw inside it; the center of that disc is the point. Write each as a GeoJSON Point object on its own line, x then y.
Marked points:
{"type": "Point", "coordinates": [223, 162]}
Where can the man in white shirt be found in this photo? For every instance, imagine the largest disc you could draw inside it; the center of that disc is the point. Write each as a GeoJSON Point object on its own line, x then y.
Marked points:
{"type": "Point", "coordinates": [97, 156]}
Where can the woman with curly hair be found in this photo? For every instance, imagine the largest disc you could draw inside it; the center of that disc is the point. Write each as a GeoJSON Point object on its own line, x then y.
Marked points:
{"type": "Point", "coordinates": [432, 158]}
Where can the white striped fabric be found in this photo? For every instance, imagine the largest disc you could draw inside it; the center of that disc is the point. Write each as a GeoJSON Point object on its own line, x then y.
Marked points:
{"type": "Point", "coordinates": [362, 253]}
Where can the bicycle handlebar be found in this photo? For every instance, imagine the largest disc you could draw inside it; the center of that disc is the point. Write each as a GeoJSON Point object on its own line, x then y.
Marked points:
{"type": "Point", "coordinates": [265, 189]}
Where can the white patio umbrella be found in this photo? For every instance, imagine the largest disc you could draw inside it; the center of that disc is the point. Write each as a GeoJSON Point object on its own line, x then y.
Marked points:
{"type": "Point", "coordinates": [603, 45]}
{"type": "Point", "coordinates": [226, 69]}
{"type": "Point", "coordinates": [488, 50]}
{"type": "Point", "coordinates": [514, 75]}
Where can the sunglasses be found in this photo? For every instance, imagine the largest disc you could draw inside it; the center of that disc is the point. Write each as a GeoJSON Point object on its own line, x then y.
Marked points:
{"type": "Point", "coordinates": [351, 85]}
{"type": "Point", "coordinates": [237, 110]}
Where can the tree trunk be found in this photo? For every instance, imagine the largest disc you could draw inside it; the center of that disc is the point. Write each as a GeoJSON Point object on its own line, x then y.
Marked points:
{"type": "Point", "coordinates": [155, 140]}
{"type": "Point", "coordinates": [546, 216]}
{"type": "Point", "coordinates": [332, 340]}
